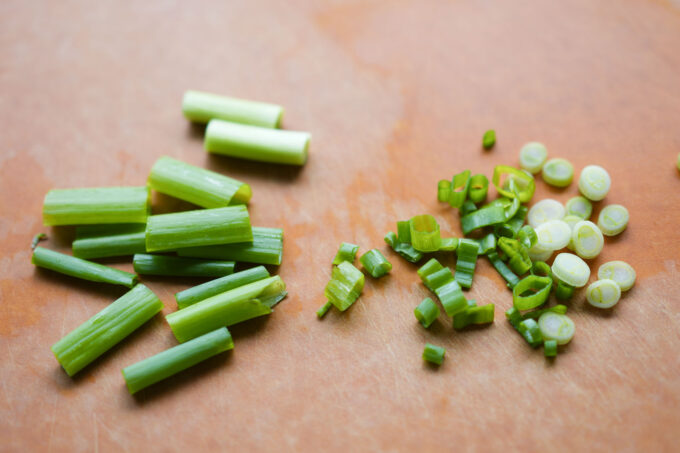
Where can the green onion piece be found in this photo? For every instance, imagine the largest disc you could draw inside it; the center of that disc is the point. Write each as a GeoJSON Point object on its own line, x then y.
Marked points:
{"type": "Point", "coordinates": [171, 361]}
{"type": "Point", "coordinates": [504, 230]}
{"type": "Point", "coordinates": [514, 317]}
{"type": "Point", "coordinates": [321, 312]}
{"type": "Point", "coordinates": [257, 143]}
{"type": "Point", "coordinates": [406, 251]}
{"type": "Point", "coordinates": [429, 268]}
{"type": "Point", "coordinates": [145, 264]}
{"type": "Point", "coordinates": [555, 326]}
{"type": "Point", "coordinates": [571, 269]}
{"type": "Point", "coordinates": [438, 279]}
{"type": "Point", "coordinates": [511, 210]}
{"type": "Point", "coordinates": [571, 220]}
{"type": "Point", "coordinates": [541, 269]}
{"type": "Point", "coordinates": [594, 182]}
{"type": "Point", "coordinates": [441, 281]}
{"type": "Point", "coordinates": [553, 235]}
{"type": "Point", "coordinates": [36, 239]}
{"type": "Point", "coordinates": [531, 292]}
{"type": "Point", "coordinates": [449, 244]}
{"type": "Point", "coordinates": [613, 219]}
{"type": "Point", "coordinates": [196, 228]}
{"type": "Point", "coordinates": [527, 236]}
{"type": "Point", "coordinates": [486, 244]}
{"type": "Point", "coordinates": [535, 314]}
{"type": "Point", "coordinates": [346, 252]}
{"type": "Point", "coordinates": [201, 107]}
{"type": "Point", "coordinates": [587, 239]}
{"type": "Point", "coordinates": [460, 184]}
{"type": "Point", "coordinates": [531, 332]}
{"type": "Point", "coordinates": [79, 268]}
{"type": "Point", "coordinates": [517, 220]}
{"type": "Point", "coordinates": [391, 239]}
{"type": "Point", "coordinates": [105, 329]}
{"type": "Point", "coordinates": [579, 206]}
{"type": "Point", "coordinates": [502, 269]}
{"type": "Point", "coordinates": [518, 255]}
{"type": "Point", "coordinates": [227, 308]}
{"type": "Point", "coordinates": [345, 285]}
{"type": "Point", "coordinates": [532, 156]}
{"type": "Point", "coordinates": [102, 241]}
{"type": "Point", "coordinates": [197, 185]}
{"type": "Point", "coordinates": [375, 263]}
{"type": "Point", "coordinates": [426, 312]}
{"type": "Point", "coordinates": [502, 202]}
{"type": "Point", "coordinates": [603, 293]}
{"type": "Point", "coordinates": [467, 208]}
{"type": "Point", "coordinates": [550, 348]}
{"type": "Point", "coordinates": [536, 253]}
{"type": "Point", "coordinates": [444, 190]}
{"type": "Point", "coordinates": [467, 252]}
{"type": "Point", "coordinates": [98, 205]}
{"type": "Point", "coordinates": [558, 172]}
{"type": "Point", "coordinates": [461, 320]}
{"type": "Point", "coordinates": [479, 187]}
{"type": "Point", "coordinates": [483, 217]}
{"type": "Point", "coordinates": [213, 287]}
{"type": "Point", "coordinates": [489, 139]}
{"type": "Point", "coordinates": [563, 292]}
{"type": "Point", "coordinates": [434, 354]}
{"type": "Point", "coordinates": [545, 210]}
{"type": "Point", "coordinates": [619, 271]}
{"type": "Point", "coordinates": [526, 185]}
{"type": "Point", "coordinates": [425, 234]}
{"type": "Point", "coordinates": [474, 315]}
{"type": "Point", "coordinates": [265, 248]}
{"type": "Point", "coordinates": [404, 231]}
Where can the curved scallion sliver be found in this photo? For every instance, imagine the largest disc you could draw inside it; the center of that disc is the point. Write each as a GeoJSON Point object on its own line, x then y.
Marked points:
{"type": "Point", "coordinates": [524, 182]}
{"type": "Point", "coordinates": [553, 235]}
{"type": "Point", "coordinates": [555, 326]}
{"type": "Point", "coordinates": [531, 292]}
{"type": "Point", "coordinates": [532, 156]}
{"type": "Point", "coordinates": [603, 293]}
{"type": "Point", "coordinates": [425, 234]}
{"type": "Point", "coordinates": [558, 172]}
{"type": "Point", "coordinates": [587, 239]}
{"type": "Point", "coordinates": [579, 206]}
{"type": "Point", "coordinates": [545, 210]}
{"type": "Point", "coordinates": [613, 219]}
{"type": "Point", "coordinates": [571, 269]}
{"type": "Point", "coordinates": [619, 271]}
{"type": "Point", "coordinates": [527, 236]}
{"type": "Point", "coordinates": [594, 182]}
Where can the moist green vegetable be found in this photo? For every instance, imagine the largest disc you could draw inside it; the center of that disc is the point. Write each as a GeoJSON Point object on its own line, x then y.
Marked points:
{"type": "Point", "coordinates": [571, 269]}
{"type": "Point", "coordinates": [346, 252]}
{"type": "Point", "coordinates": [531, 332]}
{"type": "Point", "coordinates": [579, 206]}
{"type": "Point", "coordinates": [479, 187]}
{"type": "Point", "coordinates": [535, 314]}
{"type": "Point", "coordinates": [449, 245]}
{"type": "Point", "coordinates": [213, 287]}
{"type": "Point", "coordinates": [550, 348]}
{"type": "Point", "coordinates": [321, 312]}
{"type": "Point", "coordinates": [594, 182]}
{"type": "Point", "coordinates": [103, 241]}
{"type": "Point", "coordinates": [531, 292]}
{"type": "Point", "coordinates": [94, 206]}
{"type": "Point", "coordinates": [440, 280]}
{"type": "Point", "coordinates": [503, 175]}
{"type": "Point", "coordinates": [545, 210]}
{"type": "Point", "coordinates": [265, 248]}
{"type": "Point", "coordinates": [503, 270]}
{"type": "Point", "coordinates": [541, 269]}
{"type": "Point", "coordinates": [434, 354]}
{"type": "Point", "coordinates": [555, 326]}
{"type": "Point", "coordinates": [468, 207]}
{"type": "Point", "coordinates": [467, 259]}
{"type": "Point", "coordinates": [532, 156]}
{"type": "Point", "coordinates": [426, 312]}
{"type": "Point", "coordinates": [527, 236]}
{"type": "Point", "coordinates": [475, 315]}
{"type": "Point", "coordinates": [486, 244]}
{"type": "Point", "coordinates": [424, 233]}
{"type": "Point", "coordinates": [454, 192]}
{"type": "Point", "coordinates": [405, 250]}
{"type": "Point", "coordinates": [146, 264]}
{"type": "Point", "coordinates": [345, 286]}
{"type": "Point", "coordinates": [619, 271]}
{"type": "Point", "coordinates": [558, 172]}
{"type": "Point", "coordinates": [483, 217]}
{"type": "Point", "coordinates": [489, 139]}
{"type": "Point", "coordinates": [613, 219]}
{"type": "Point", "coordinates": [516, 254]}
{"type": "Point", "coordinates": [375, 263]}
{"type": "Point", "coordinates": [563, 291]}
{"type": "Point", "coordinates": [587, 239]}
{"type": "Point", "coordinates": [201, 107]}
{"type": "Point", "coordinates": [603, 293]}
{"type": "Point", "coordinates": [36, 239]}
{"type": "Point", "coordinates": [553, 235]}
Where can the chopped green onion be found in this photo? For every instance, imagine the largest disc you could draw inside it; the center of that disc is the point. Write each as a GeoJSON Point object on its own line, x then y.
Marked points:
{"type": "Point", "coordinates": [526, 185]}
{"type": "Point", "coordinates": [580, 206]}
{"type": "Point", "coordinates": [105, 329]}
{"type": "Point", "coordinates": [98, 205]}
{"type": "Point", "coordinates": [553, 235]}
{"type": "Point", "coordinates": [201, 107]}
{"type": "Point", "coordinates": [594, 182]}
{"type": "Point", "coordinates": [475, 315]}
{"type": "Point", "coordinates": [36, 239]}
{"type": "Point", "coordinates": [227, 308]}
{"type": "Point", "coordinates": [514, 317]}
{"type": "Point", "coordinates": [571, 269]}
{"type": "Point", "coordinates": [532, 156]}
{"type": "Point", "coordinates": [535, 314]}
{"type": "Point", "coordinates": [550, 348]}
{"type": "Point", "coordinates": [265, 248]}
{"type": "Point", "coordinates": [102, 241]}
{"type": "Point", "coordinates": [391, 239]}
{"type": "Point", "coordinates": [563, 292]}
{"type": "Point", "coordinates": [321, 312]}
{"type": "Point", "coordinates": [502, 269]}
{"type": "Point", "coordinates": [196, 228]}
{"type": "Point", "coordinates": [434, 354]}
{"type": "Point", "coordinates": [603, 293]}
{"type": "Point", "coordinates": [517, 255]}
{"type": "Point", "coordinates": [504, 230]}
{"type": "Point", "coordinates": [483, 217]}
{"type": "Point", "coordinates": [613, 219]}
{"type": "Point", "coordinates": [555, 326]}
{"type": "Point", "coordinates": [346, 252]}
{"type": "Point", "coordinates": [440, 280]}
{"type": "Point", "coordinates": [426, 312]}
{"type": "Point", "coordinates": [429, 268]}
{"type": "Point", "coordinates": [489, 139]}
{"type": "Point", "coordinates": [479, 186]}
{"type": "Point", "coordinates": [345, 285]}
{"type": "Point", "coordinates": [486, 244]}
{"type": "Point", "coordinates": [213, 287]}
{"type": "Point", "coordinates": [468, 207]}
{"type": "Point", "coordinates": [257, 143]}
{"type": "Point", "coordinates": [404, 231]}
{"type": "Point", "coordinates": [571, 220]}
{"type": "Point", "coordinates": [171, 361]}
{"type": "Point", "coordinates": [448, 244]}
{"type": "Point", "coordinates": [146, 264]}
{"type": "Point", "coordinates": [517, 220]}
{"type": "Point", "coordinates": [537, 253]}
{"type": "Point", "coordinates": [527, 236]}
{"type": "Point", "coordinates": [558, 172]}
{"type": "Point", "coordinates": [531, 332]}
{"type": "Point", "coordinates": [544, 211]}
{"type": "Point", "coordinates": [458, 189]}
{"type": "Point", "coordinates": [541, 269]}
{"type": "Point", "coordinates": [197, 185]}
{"type": "Point", "coordinates": [375, 263]}
{"type": "Point", "coordinates": [79, 268]}
{"type": "Point", "coordinates": [406, 251]}
{"type": "Point", "coordinates": [531, 292]}
{"type": "Point", "coordinates": [467, 252]}
{"type": "Point", "coordinates": [587, 239]}
{"type": "Point", "coordinates": [619, 271]}
{"type": "Point", "coordinates": [444, 190]}
{"type": "Point", "coordinates": [425, 235]}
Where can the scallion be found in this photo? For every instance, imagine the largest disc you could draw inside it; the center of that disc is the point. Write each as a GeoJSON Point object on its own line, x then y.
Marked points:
{"type": "Point", "coordinates": [489, 139]}
{"type": "Point", "coordinates": [541, 269]}
{"type": "Point", "coordinates": [571, 269]}
{"type": "Point", "coordinates": [555, 326]}
{"type": "Point", "coordinates": [448, 244]}
{"type": "Point", "coordinates": [201, 107]}
{"type": "Point", "coordinates": [346, 252]}
{"type": "Point", "coordinates": [36, 240]}
{"type": "Point", "coordinates": [535, 314]}
{"type": "Point", "coordinates": [503, 269]}
{"type": "Point", "coordinates": [375, 263]}
{"type": "Point", "coordinates": [587, 239]}
{"type": "Point", "coordinates": [579, 206]}
{"type": "Point", "coordinates": [98, 205]}
{"type": "Point", "coordinates": [477, 315]}
{"type": "Point", "coordinates": [345, 285]}
{"type": "Point", "coordinates": [553, 235]}
{"type": "Point", "coordinates": [213, 287]}
{"type": "Point", "coordinates": [265, 248]}
{"type": "Point", "coordinates": [321, 312]}
{"type": "Point", "coordinates": [532, 156]}
{"type": "Point", "coordinates": [531, 332]}
{"type": "Point", "coordinates": [479, 186]}
{"type": "Point", "coordinates": [487, 216]}
{"type": "Point", "coordinates": [550, 348]}
{"type": "Point", "coordinates": [531, 292]}
{"type": "Point", "coordinates": [545, 210]}
{"type": "Point", "coordinates": [563, 291]}
{"type": "Point", "coordinates": [558, 172]}
{"type": "Point", "coordinates": [619, 271]}
{"type": "Point", "coordinates": [594, 182]}
{"type": "Point", "coordinates": [613, 219]}
{"type": "Point", "coordinates": [467, 259]}
{"type": "Point", "coordinates": [102, 241]}
{"type": "Point", "coordinates": [424, 233]}
{"type": "Point", "coordinates": [426, 312]}
{"type": "Point", "coordinates": [486, 244]}
{"type": "Point", "coordinates": [458, 189]}
{"type": "Point", "coordinates": [527, 236]}
{"type": "Point", "coordinates": [603, 293]}
{"type": "Point", "coordinates": [440, 280]}
{"type": "Point", "coordinates": [526, 185]}
{"type": "Point", "coordinates": [146, 264]}
{"type": "Point", "coordinates": [433, 354]}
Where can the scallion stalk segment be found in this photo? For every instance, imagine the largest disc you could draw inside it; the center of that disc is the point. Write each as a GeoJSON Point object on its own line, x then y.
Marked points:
{"type": "Point", "coordinates": [545, 210]}
{"type": "Point", "coordinates": [426, 312]}
{"type": "Point", "coordinates": [503, 269]}
{"type": "Point", "coordinates": [531, 332]}
{"type": "Point", "coordinates": [489, 139]}
{"type": "Point", "coordinates": [346, 252]}
{"type": "Point", "coordinates": [433, 354]}
{"type": "Point", "coordinates": [531, 292]}
{"type": "Point", "coordinates": [587, 239]}
{"type": "Point", "coordinates": [553, 235]}
{"type": "Point", "coordinates": [440, 280]}
{"type": "Point", "coordinates": [479, 186]}
{"type": "Point", "coordinates": [594, 182]}
{"type": "Point", "coordinates": [550, 348]}
{"type": "Point", "coordinates": [532, 156]}
{"type": "Point", "coordinates": [503, 174]}
{"type": "Point", "coordinates": [613, 219]}
{"type": "Point", "coordinates": [571, 269]}
{"type": "Point", "coordinates": [213, 287]}
{"type": "Point", "coordinates": [102, 241]}
{"type": "Point", "coordinates": [425, 234]}
{"type": "Point", "coordinates": [146, 264]}
{"type": "Point", "coordinates": [345, 285]}
{"type": "Point", "coordinates": [265, 248]}
{"type": "Point", "coordinates": [475, 315]}
{"type": "Point", "coordinates": [201, 107]}
{"type": "Point", "coordinates": [555, 326]}
{"type": "Point", "coordinates": [321, 312]}
{"type": "Point", "coordinates": [579, 206]}
{"type": "Point", "coordinates": [375, 263]}
{"type": "Point", "coordinates": [95, 206]}
{"type": "Point", "coordinates": [467, 252]}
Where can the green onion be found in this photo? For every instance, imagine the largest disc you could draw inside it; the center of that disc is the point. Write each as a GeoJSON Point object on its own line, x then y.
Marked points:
{"type": "Point", "coordinates": [563, 292]}
{"type": "Point", "coordinates": [489, 139]}
{"type": "Point", "coordinates": [227, 308]}
{"type": "Point", "coordinates": [541, 269]}
{"type": "Point", "coordinates": [265, 248]}
{"type": "Point", "coordinates": [444, 190]}
{"type": "Point", "coordinates": [404, 231]}
{"type": "Point", "coordinates": [537, 253]}
{"type": "Point", "coordinates": [527, 236]}
{"type": "Point", "coordinates": [535, 314]}
{"type": "Point", "coordinates": [426, 312]}
{"type": "Point", "coordinates": [594, 182]}
{"type": "Point", "coordinates": [544, 211]}
{"type": "Point", "coordinates": [346, 252]}
{"type": "Point", "coordinates": [440, 280]}
{"type": "Point", "coordinates": [517, 254]}
{"type": "Point", "coordinates": [603, 293]}
{"type": "Point", "coordinates": [99, 205]}
{"type": "Point", "coordinates": [321, 312]}
{"type": "Point", "coordinates": [571, 220]}
{"type": "Point", "coordinates": [531, 292]}
{"type": "Point", "coordinates": [571, 269]}
{"type": "Point", "coordinates": [504, 230]}
{"type": "Point", "coordinates": [486, 244]}
{"type": "Point", "coordinates": [502, 269]}
{"type": "Point", "coordinates": [425, 235]}
{"type": "Point", "coordinates": [613, 219]}
{"type": "Point", "coordinates": [213, 287]}
{"type": "Point", "coordinates": [375, 263]}
{"type": "Point", "coordinates": [517, 220]}
{"type": "Point", "coordinates": [449, 244]}
{"type": "Point", "coordinates": [195, 228]}
{"type": "Point", "coordinates": [457, 189]}
{"type": "Point", "coordinates": [429, 268]}
{"type": "Point", "coordinates": [461, 320]}
{"type": "Point", "coordinates": [345, 285]}
{"type": "Point", "coordinates": [467, 208]}
{"type": "Point", "coordinates": [467, 252]}
{"type": "Point", "coordinates": [479, 187]}
{"type": "Point", "coordinates": [257, 143]}
{"type": "Point", "coordinates": [531, 332]}
{"type": "Point", "coordinates": [587, 239]}
{"type": "Point", "coordinates": [514, 317]}
{"type": "Point", "coordinates": [434, 354]}
{"type": "Point", "coordinates": [201, 107]}
{"type": "Point", "coordinates": [558, 172]}
{"type": "Point", "coordinates": [483, 217]}
{"type": "Point", "coordinates": [105, 329]}
{"type": "Point", "coordinates": [619, 271]}
{"type": "Point", "coordinates": [146, 264]}
{"type": "Point", "coordinates": [474, 316]}
{"type": "Point", "coordinates": [197, 185]}
{"type": "Point", "coordinates": [406, 251]}
{"type": "Point", "coordinates": [103, 241]}
{"type": "Point", "coordinates": [171, 361]}
{"type": "Point", "coordinates": [526, 185]}
{"type": "Point", "coordinates": [532, 156]}
{"type": "Point", "coordinates": [579, 206]}
{"type": "Point", "coordinates": [553, 235]}
{"type": "Point", "coordinates": [555, 326]}
{"type": "Point", "coordinates": [550, 348]}
{"type": "Point", "coordinates": [36, 239]}
{"type": "Point", "coordinates": [79, 268]}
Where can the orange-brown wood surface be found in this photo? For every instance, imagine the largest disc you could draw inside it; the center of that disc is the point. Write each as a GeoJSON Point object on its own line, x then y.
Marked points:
{"type": "Point", "coordinates": [397, 95]}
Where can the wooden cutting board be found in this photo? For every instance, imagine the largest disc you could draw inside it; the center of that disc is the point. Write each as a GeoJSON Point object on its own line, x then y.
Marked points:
{"type": "Point", "coordinates": [397, 95]}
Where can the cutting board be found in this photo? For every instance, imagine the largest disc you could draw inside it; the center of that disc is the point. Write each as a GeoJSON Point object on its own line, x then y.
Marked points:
{"type": "Point", "coordinates": [396, 95]}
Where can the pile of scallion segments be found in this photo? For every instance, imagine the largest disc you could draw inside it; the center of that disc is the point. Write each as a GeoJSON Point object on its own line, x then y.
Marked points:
{"type": "Point", "coordinates": [206, 242]}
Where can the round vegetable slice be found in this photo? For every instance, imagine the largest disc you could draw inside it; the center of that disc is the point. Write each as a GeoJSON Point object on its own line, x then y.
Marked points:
{"type": "Point", "coordinates": [532, 156]}
{"type": "Point", "coordinates": [555, 326]}
{"type": "Point", "coordinates": [587, 239]}
{"type": "Point", "coordinates": [594, 182]}
{"type": "Point", "coordinates": [619, 271]}
{"type": "Point", "coordinates": [603, 293]}
{"type": "Point", "coordinates": [553, 235]}
{"type": "Point", "coordinates": [571, 220]}
{"type": "Point", "coordinates": [579, 206]}
{"type": "Point", "coordinates": [571, 269]}
{"type": "Point", "coordinates": [613, 219]}
{"type": "Point", "coordinates": [545, 210]}
{"type": "Point", "coordinates": [537, 253]}
{"type": "Point", "coordinates": [558, 172]}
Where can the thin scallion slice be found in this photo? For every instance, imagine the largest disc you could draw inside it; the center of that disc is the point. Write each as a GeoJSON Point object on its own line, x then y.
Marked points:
{"type": "Point", "coordinates": [102, 241]}
{"type": "Point", "coordinates": [558, 172]}
{"type": "Point", "coordinates": [555, 326]}
{"type": "Point", "coordinates": [535, 314]}
{"type": "Point", "coordinates": [527, 236]}
{"type": "Point", "coordinates": [587, 239]}
{"type": "Point", "coordinates": [531, 332]}
{"type": "Point", "coordinates": [429, 268]}
{"type": "Point", "coordinates": [619, 271]}
{"type": "Point", "coordinates": [526, 185]}
{"type": "Point", "coordinates": [36, 240]}
{"type": "Point", "coordinates": [571, 220]}
{"type": "Point", "coordinates": [345, 285]}
{"type": "Point", "coordinates": [460, 184]}
{"type": "Point", "coordinates": [550, 348]}
{"type": "Point", "coordinates": [171, 361]}
{"type": "Point", "coordinates": [603, 293]}
{"type": "Point", "coordinates": [545, 210]}
{"type": "Point", "coordinates": [489, 139]}
{"type": "Point", "coordinates": [426, 312]}
{"type": "Point", "coordinates": [479, 186]}
{"type": "Point", "coordinates": [440, 280]}
{"type": "Point", "coordinates": [504, 230]}
{"type": "Point", "coordinates": [579, 206]}
{"type": "Point", "coordinates": [201, 107]}
{"type": "Point", "coordinates": [467, 208]}
{"type": "Point", "coordinates": [375, 263]}
{"type": "Point", "coordinates": [94, 206]}
{"type": "Point", "coordinates": [553, 235]}
{"type": "Point", "coordinates": [404, 231]}
{"type": "Point", "coordinates": [594, 182]}
{"type": "Point", "coordinates": [405, 250]}
{"type": "Point", "coordinates": [433, 354]}
{"type": "Point", "coordinates": [517, 220]}
{"type": "Point", "coordinates": [516, 254]}
{"type": "Point", "coordinates": [213, 287]}
{"type": "Point", "coordinates": [467, 252]}
{"type": "Point", "coordinates": [476, 315]}
{"type": "Point", "coordinates": [613, 219]}
{"type": "Point", "coordinates": [571, 269]}
{"type": "Point", "coordinates": [563, 292]}
{"type": "Point", "coordinates": [541, 269]}
{"type": "Point", "coordinates": [532, 156]}
{"type": "Point", "coordinates": [265, 248]}
{"type": "Point", "coordinates": [321, 312]}
{"type": "Point", "coordinates": [449, 244]}
{"type": "Point", "coordinates": [514, 317]}
{"type": "Point", "coordinates": [531, 292]}
{"type": "Point", "coordinates": [537, 253]}
{"type": "Point", "coordinates": [486, 244]}
{"type": "Point", "coordinates": [425, 234]}
{"type": "Point", "coordinates": [146, 264]}
{"type": "Point", "coordinates": [503, 269]}
{"type": "Point", "coordinates": [483, 217]}
{"type": "Point", "coordinates": [346, 252]}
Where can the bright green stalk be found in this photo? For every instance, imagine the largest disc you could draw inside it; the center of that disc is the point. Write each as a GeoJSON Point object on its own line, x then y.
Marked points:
{"type": "Point", "coordinates": [102, 241]}
{"type": "Point", "coordinates": [197, 185]}
{"type": "Point", "coordinates": [468, 207]}
{"type": "Point", "coordinates": [321, 312]}
{"type": "Point", "coordinates": [475, 315]}
{"type": "Point", "coordinates": [535, 314]}
{"type": "Point", "coordinates": [146, 264]}
{"type": "Point", "coordinates": [375, 263]}
{"type": "Point", "coordinates": [434, 354]}
{"type": "Point", "coordinates": [503, 269]}
{"type": "Point", "coordinates": [197, 228]}
{"type": "Point", "coordinates": [486, 244]}
{"type": "Point", "coordinates": [449, 245]}
{"type": "Point", "coordinates": [213, 287]}
{"type": "Point", "coordinates": [404, 250]}
{"type": "Point", "coordinates": [265, 248]}
{"type": "Point", "coordinates": [440, 281]}
{"type": "Point", "coordinates": [257, 143]}
{"type": "Point", "coordinates": [503, 174]}
{"type": "Point", "coordinates": [346, 252]}
{"type": "Point", "coordinates": [550, 348]}
{"type": "Point", "coordinates": [94, 206]}
{"type": "Point", "coordinates": [345, 285]}
{"type": "Point", "coordinates": [105, 329]}
{"type": "Point", "coordinates": [517, 220]}
{"type": "Point", "coordinates": [467, 259]}
{"type": "Point", "coordinates": [531, 332]}
{"type": "Point", "coordinates": [426, 312]}
{"type": "Point", "coordinates": [479, 186]}
{"type": "Point", "coordinates": [531, 292]}
{"type": "Point", "coordinates": [490, 215]}
{"type": "Point", "coordinates": [36, 240]}
{"type": "Point", "coordinates": [489, 139]}
{"type": "Point", "coordinates": [172, 361]}
{"type": "Point", "coordinates": [76, 267]}
{"type": "Point", "coordinates": [227, 308]}
{"type": "Point", "coordinates": [201, 107]}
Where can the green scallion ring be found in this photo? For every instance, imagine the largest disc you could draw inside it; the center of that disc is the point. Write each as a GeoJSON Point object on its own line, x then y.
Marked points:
{"type": "Point", "coordinates": [434, 354]}
{"type": "Point", "coordinates": [541, 269]}
{"type": "Point", "coordinates": [537, 253]}
{"type": "Point", "coordinates": [544, 211]}
{"type": "Point", "coordinates": [532, 156]}
{"type": "Point", "coordinates": [613, 219]}
{"type": "Point", "coordinates": [558, 172]}
{"type": "Point", "coordinates": [603, 293]}
{"type": "Point", "coordinates": [553, 235]}
{"type": "Point", "coordinates": [594, 182]}
{"type": "Point", "coordinates": [531, 292]}
{"type": "Point", "coordinates": [579, 206]}
{"type": "Point", "coordinates": [550, 348]}
{"type": "Point", "coordinates": [555, 326]}
{"type": "Point", "coordinates": [571, 269]}
{"type": "Point", "coordinates": [619, 271]}
{"type": "Point", "coordinates": [425, 235]}
{"type": "Point", "coordinates": [587, 239]}
{"type": "Point", "coordinates": [426, 312]}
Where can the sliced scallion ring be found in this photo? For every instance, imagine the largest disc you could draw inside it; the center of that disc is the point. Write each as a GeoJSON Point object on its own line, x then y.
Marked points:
{"type": "Point", "coordinates": [571, 220]}
{"type": "Point", "coordinates": [537, 253]}
{"type": "Point", "coordinates": [579, 206]}
{"type": "Point", "coordinates": [571, 269]}
{"type": "Point", "coordinates": [594, 182]}
{"type": "Point", "coordinates": [603, 293]}
{"type": "Point", "coordinates": [545, 210]}
{"type": "Point", "coordinates": [619, 271]}
{"type": "Point", "coordinates": [425, 235]}
{"type": "Point", "coordinates": [553, 235]}
{"type": "Point", "coordinates": [558, 172]}
{"type": "Point", "coordinates": [531, 292]}
{"type": "Point", "coordinates": [532, 156]}
{"type": "Point", "coordinates": [525, 183]}
{"type": "Point", "coordinates": [555, 326]}
{"type": "Point", "coordinates": [613, 219]}
{"type": "Point", "coordinates": [587, 239]}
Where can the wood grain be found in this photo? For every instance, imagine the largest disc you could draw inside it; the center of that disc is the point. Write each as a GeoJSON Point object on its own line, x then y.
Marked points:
{"type": "Point", "coordinates": [397, 95]}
